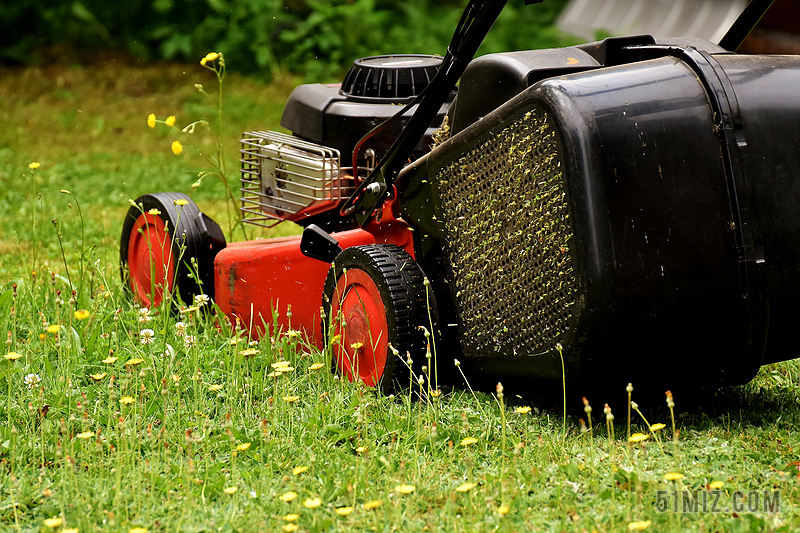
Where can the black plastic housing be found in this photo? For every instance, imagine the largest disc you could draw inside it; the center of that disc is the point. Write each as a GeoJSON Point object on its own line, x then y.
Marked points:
{"type": "Point", "coordinates": [642, 218]}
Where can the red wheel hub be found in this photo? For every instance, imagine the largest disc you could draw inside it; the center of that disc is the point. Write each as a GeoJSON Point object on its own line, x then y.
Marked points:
{"type": "Point", "coordinates": [151, 264]}
{"type": "Point", "coordinates": [363, 346]}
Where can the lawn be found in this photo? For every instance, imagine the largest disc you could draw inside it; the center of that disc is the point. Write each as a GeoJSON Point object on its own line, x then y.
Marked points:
{"type": "Point", "coordinates": [116, 418]}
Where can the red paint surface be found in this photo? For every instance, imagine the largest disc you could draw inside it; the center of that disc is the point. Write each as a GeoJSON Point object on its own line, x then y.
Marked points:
{"type": "Point", "coordinates": [151, 265]}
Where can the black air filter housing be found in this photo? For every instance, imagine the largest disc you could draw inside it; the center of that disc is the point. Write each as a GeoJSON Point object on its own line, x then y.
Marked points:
{"type": "Point", "coordinates": [398, 79]}
{"type": "Point", "coordinates": [642, 217]}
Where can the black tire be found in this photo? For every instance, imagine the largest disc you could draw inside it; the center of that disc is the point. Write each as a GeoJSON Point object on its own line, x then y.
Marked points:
{"type": "Point", "coordinates": [397, 304]}
{"type": "Point", "coordinates": [159, 242]}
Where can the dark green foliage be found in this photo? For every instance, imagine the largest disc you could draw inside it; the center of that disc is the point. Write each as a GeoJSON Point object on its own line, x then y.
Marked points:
{"type": "Point", "coordinates": [315, 37]}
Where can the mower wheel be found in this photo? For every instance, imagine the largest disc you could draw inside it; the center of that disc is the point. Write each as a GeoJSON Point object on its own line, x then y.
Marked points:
{"type": "Point", "coordinates": [161, 239]}
{"type": "Point", "coordinates": [375, 297]}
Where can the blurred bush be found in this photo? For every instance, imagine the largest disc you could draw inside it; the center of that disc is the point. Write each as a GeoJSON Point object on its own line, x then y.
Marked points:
{"type": "Point", "coordinates": [312, 37]}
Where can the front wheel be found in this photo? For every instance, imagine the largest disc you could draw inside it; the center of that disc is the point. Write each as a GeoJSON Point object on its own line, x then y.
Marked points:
{"type": "Point", "coordinates": [375, 299]}
{"type": "Point", "coordinates": [168, 244]}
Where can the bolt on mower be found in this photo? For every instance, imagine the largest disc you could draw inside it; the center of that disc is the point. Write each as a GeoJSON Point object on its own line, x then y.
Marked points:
{"type": "Point", "coordinates": [615, 209]}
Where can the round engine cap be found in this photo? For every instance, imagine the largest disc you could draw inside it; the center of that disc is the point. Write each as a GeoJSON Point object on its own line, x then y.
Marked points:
{"type": "Point", "coordinates": [395, 79]}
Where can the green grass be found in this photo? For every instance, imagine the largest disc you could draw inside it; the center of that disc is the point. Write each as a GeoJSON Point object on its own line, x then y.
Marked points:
{"type": "Point", "coordinates": [71, 449]}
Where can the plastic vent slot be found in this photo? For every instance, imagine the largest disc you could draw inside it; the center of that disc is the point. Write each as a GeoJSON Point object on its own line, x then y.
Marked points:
{"type": "Point", "coordinates": [390, 79]}
{"type": "Point", "coordinates": [508, 229]}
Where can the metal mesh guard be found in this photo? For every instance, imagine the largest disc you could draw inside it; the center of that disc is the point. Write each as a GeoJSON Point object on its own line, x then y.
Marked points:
{"type": "Point", "coordinates": [507, 223]}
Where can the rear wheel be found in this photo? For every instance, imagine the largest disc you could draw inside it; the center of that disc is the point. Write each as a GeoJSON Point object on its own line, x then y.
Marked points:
{"type": "Point", "coordinates": [375, 298]}
{"type": "Point", "coordinates": [162, 237]}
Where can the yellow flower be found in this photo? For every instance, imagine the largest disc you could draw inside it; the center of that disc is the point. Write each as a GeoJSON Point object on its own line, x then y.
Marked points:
{"type": "Point", "coordinates": [638, 437]}
{"type": "Point", "coordinates": [344, 511]}
{"type": "Point", "coordinates": [639, 526]}
{"type": "Point", "coordinates": [280, 364]}
{"type": "Point", "coordinates": [466, 487]}
{"type": "Point", "coordinates": [177, 147]}
{"type": "Point", "coordinates": [12, 356]}
{"type": "Point", "coordinates": [98, 377]}
{"type": "Point", "coordinates": [154, 212]}
{"type": "Point", "coordinates": [469, 440]}
{"type": "Point", "coordinates": [362, 449]}
{"type": "Point", "coordinates": [53, 328]}
{"type": "Point", "coordinates": [82, 314]}
{"type": "Point", "coordinates": [86, 435]}
{"type": "Point", "coordinates": [109, 360]}
{"type": "Point", "coordinates": [316, 366]}
{"type": "Point", "coordinates": [288, 496]}
{"type": "Point", "coordinates": [170, 120]}
{"type": "Point", "coordinates": [289, 528]}
{"type": "Point", "coordinates": [34, 165]}
{"type": "Point", "coordinates": [138, 530]}
{"type": "Point", "coordinates": [372, 504]}
{"type": "Point", "coordinates": [70, 530]}
{"type": "Point", "coordinates": [503, 509]}
{"type": "Point", "coordinates": [274, 374]}
{"type": "Point", "coordinates": [135, 361]}
{"type": "Point", "coordinates": [230, 490]}
{"type": "Point", "coordinates": [181, 202]}
{"type": "Point", "coordinates": [357, 345]}
{"type": "Point", "coordinates": [716, 485]}
{"type": "Point", "coordinates": [243, 446]}
{"type": "Point", "coordinates": [41, 336]}
{"type": "Point", "coordinates": [248, 352]}
{"type": "Point", "coordinates": [291, 517]}
{"type": "Point", "coordinates": [291, 399]}
{"type": "Point", "coordinates": [151, 120]}
{"type": "Point", "coordinates": [674, 476]}
{"type": "Point", "coordinates": [176, 378]}
{"type": "Point", "coordinates": [436, 393]}
{"type": "Point", "coordinates": [211, 56]}
{"type": "Point", "coordinates": [285, 369]}
{"type": "Point", "coordinates": [53, 522]}
{"type": "Point", "coordinates": [523, 410]}
{"type": "Point", "coordinates": [126, 400]}
{"type": "Point", "coordinates": [312, 503]}
{"type": "Point", "coordinates": [405, 489]}
{"type": "Point", "coordinates": [215, 387]}
{"type": "Point", "coordinates": [656, 427]}
{"type": "Point", "coordinates": [296, 471]}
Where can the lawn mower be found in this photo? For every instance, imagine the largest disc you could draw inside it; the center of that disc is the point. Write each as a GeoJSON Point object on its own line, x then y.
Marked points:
{"type": "Point", "coordinates": [623, 208]}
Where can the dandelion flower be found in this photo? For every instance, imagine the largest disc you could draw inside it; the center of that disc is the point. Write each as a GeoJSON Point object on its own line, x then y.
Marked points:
{"type": "Point", "coordinates": [34, 165]}
{"type": "Point", "coordinates": [53, 328]}
{"type": "Point", "coordinates": [291, 517]}
{"type": "Point", "coordinates": [344, 511]}
{"type": "Point", "coordinates": [466, 487]}
{"type": "Point", "coordinates": [405, 489]}
{"type": "Point", "coordinates": [503, 509]}
{"type": "Point", "coordinates": [146, 336]}
{"type": "Point", "coordinates": [138, 530]}
{"type": "Point", "coordinates": [523, 410]}
{"type": "Point", "coordinates": [133, 362]}
{"type": "Point", "coordinates": [82, 314]}
{"type": "Point", "coordinates": [638, 437]}
{"type": "Point", "coordinates": [280, 364]}
{"type": "Point", "coordinates": [230, 490]}
{"type": "Point", "coordinates": [716, 485]}
{"type": "Point", "coordinates": [289, 528]}
{"type": "Point", "coordinates": [109, 360]}
{"type": "Point", "coordinates": [154, 212]}
{"type": "Point", "coordinates": [86, 435]}
{"type": "Point", "coordinates": [181, 202]}
{"type": "Point", "coordinates": [70, 530]}
{"type": "Point", "coordinates": [126, 400]}
{"type": "Point", "coordinates": [372, 504]}
{"type": "Point", "coordinates": [248, 352]}
{"type": "Point", "coordinates": [274, 374]}
{"type": "Point", "coordinates": [436, 393]}
{"type": "Point", "coordinates": [99, 376]}
{"type": "Point", "coordinates": [54, 522]}
{"type": "Point", "coordinates": [215, 387]}
{"type": "Point", "coordinates": [657, 427]}
{"type": "Point", "coordinates": [291, 399]}
{"type": "Point", "coordinates": [32, 380]}
{"type": "Point", "coordinates": [639, 526]}
{"type": "Point", "coordinates": [468, 440]}
{"type": "Point", "coordinates": [296, 471]}
{"type": "Point", "coordinates": [177, 147]}
{"type": "Point", "coordinates": [674, 476]}
{"type": "Point", "coordinates": [312, 503]}
{"type": "Point", "coordinates": [170, 121]}
{"type": "Point", "coordinates": [12, 356]}
{"type": "Point", "coordinates": [176, 378]}
{"type": "Point", "coordinates": [316, 366]}
{"type": "Point", "coordinates": [362, 449]}
{"type": "Point", "coordinates": [243, 446]}
{"type": "Point", "coordinates": [151, 120]}
{"type": "Point", "coordinates": [289, 496]}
